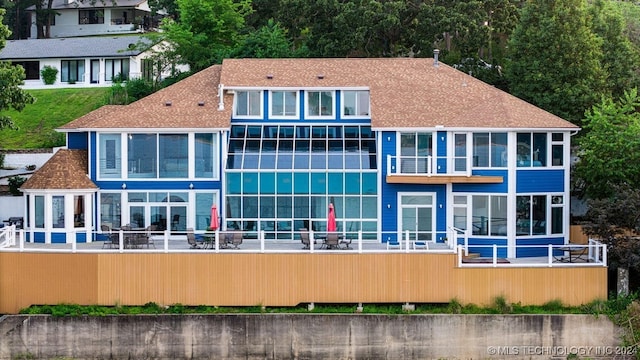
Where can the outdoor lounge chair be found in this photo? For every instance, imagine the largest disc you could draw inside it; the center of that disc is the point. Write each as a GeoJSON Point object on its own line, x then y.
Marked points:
{"type": "Point", "coordinates": [112, 239]}
{"type": "Point", "coordinates": [304, 237]}
{"type": "Point", "coordinates": [345, 243]}
{"type": "Point", "coordinates": [191, 238]}
{"type": "Point", "coordinates": [332, 240]}
{"type": "Point", "coordinates": [235, 239]}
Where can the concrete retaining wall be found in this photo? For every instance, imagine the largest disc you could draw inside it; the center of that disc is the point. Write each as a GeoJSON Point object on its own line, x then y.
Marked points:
{"type": "Point", "coordinates": [305, 336]}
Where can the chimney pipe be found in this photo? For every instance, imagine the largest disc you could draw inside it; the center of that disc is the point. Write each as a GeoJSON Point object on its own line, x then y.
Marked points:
{"type": "Point", "coordinates": [435, 57]}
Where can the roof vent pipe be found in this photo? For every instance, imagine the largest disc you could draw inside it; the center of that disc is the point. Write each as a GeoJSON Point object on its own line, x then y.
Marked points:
{"type": "Point", "coordinates": [220, 97]}
{"type": "Point", "coordinates": [435, 57]}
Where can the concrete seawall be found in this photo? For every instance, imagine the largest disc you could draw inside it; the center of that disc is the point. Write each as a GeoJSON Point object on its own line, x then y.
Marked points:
{"type": "Point", "coordinates": [306, 336]}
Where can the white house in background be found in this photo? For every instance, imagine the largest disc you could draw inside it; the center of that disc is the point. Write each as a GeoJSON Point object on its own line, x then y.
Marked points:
{"type": "Point", "coordinates": [81, 61]}
{"type": "Point", "coordinates": [86, 18]}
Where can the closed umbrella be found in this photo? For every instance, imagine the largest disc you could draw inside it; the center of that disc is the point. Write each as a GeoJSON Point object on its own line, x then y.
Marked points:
{"type": "Point", "coordinates": [331, 219]}
{"type": "Point", "coordinates": [215, 221]}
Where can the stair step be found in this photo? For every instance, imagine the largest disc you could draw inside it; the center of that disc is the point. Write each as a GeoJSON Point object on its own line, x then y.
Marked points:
{"type": "Point", "coordinates": [471, 256]}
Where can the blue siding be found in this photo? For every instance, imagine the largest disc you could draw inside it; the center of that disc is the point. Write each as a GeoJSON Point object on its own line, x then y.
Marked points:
{"type": "Point", "coordinates": [484, 246]}
{"type": "Point", "coordinates": [389, 196]}
{"type": "Point", "coordinates": [156, 184]}
{"type": "Point", "coordinates": [77, 141]}
{"type": "Point", "coordinates": [537, 251]}
{"type": "Point", "coordinates": [38, 237]}
{"type": "Point", "coordinates": [81, 237]}
{"type": "Point", "coordinates": [540, 181]}
{"type": "Point", "coordinates": [58, 238]}
{"type": "Point", "coordinates": [485, 188]}
{"type": "Point", "coordinates": [92, 157]}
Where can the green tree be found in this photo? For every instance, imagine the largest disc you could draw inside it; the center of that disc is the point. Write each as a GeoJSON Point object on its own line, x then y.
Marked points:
{"type": "Point", "coordinates": [270, 41]}
{"type": "Point", "coordinates": [206, 32]}
{"type": "Point", "coordinates": [621, 57]}
{"type": "Point", "coordinates": [615, 220]}
{"type": "Point", "coordinates": [11, 77]}
{"type": "Point", "coordinates": [610, 149]}
{"type": "Point", "coordinates": [554, 58]}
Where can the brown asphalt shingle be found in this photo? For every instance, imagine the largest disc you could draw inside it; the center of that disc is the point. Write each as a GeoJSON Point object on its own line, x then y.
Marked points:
{"type": "Point", "coordinates": [66, 169]}
{"type": "Point", "coordinates": [152, 112]}
{"type": "Point", "coordinates": [405, 93]}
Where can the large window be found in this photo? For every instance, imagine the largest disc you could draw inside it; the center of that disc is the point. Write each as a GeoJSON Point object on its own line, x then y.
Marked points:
{"type": "Point", "coordinates": [532, 214]}
{"type": "Point", "coordinates": [490, 149]}
{"type": "Point", "coordinates": [532, 149]}
{"type": "Point", "coordinates": [72, 71]}
{"type": "Point", "coordinates": [31, 69]}
{"type": "Point", "coordinates": [39, 211]}
{"type": "Point", "coordinates": [90, 17]}
{"type": "Point", "coordinates": [164, 156]}
{"type": "Point", "coordinates": [284, 104]}
{"type": "Point", "coordinates": [142, 156]}
{"type": "Point", "coordinates": [116, 68]}
{"type": "Point", "coordinates": [110, 157]}
{"type": "Point", "coordinates": [355, 103]}
{"type": "Point", "coordinates": [110, 209]}
{"type": "Point", "coordinates": [320, 104]}
{"type": "Point", "coordinates": [57, 211]}
{"type": "Point", "coordinates": [282, 178]}
{"type": "Point", "coordinates": [489, 215]}
{"type": "Point", "coordinates": [174, 155]}
{"type": "Point", "coordinates": [415, 153]}
{"type": "Point", "coordinates": [248, 104]}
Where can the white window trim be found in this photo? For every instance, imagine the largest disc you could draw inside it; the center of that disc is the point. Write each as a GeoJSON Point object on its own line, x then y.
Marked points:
{"type": "Point", "coordinates": [235, 105]}
{"type": "Point", "coordinates": [354, 116]}
{"type": "Point", "coordinates": [314, 117]}
{"type": "Point", "coordinates": [272, 116]}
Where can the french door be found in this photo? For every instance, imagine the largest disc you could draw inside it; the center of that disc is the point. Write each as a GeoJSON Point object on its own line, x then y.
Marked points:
{"type": "Point", "coordinates": [417, 216]}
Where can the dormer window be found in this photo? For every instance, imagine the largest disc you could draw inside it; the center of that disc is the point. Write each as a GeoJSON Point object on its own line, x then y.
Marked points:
{"type": "Point", "coordinates": [355, 103]}
{"type": "Point", "coordinates": [248, 104]}
{"type": "Point", "coordinates": [284, 104]}
{"type": "Point", "coordinates": [320, 104]}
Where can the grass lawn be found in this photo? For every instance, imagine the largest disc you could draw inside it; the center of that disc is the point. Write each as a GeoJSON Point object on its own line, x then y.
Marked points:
{"type": "Point", "coordinates": [52, 109]}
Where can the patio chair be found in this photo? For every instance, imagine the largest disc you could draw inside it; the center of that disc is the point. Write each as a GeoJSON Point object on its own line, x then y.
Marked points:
{"type": "Point", "coordinates": [304, 237]}
{"type": "Point", "coordinates": [332, 241]}
{"type": "Point", "coordinates": [109, 240]}
{"type": "Point", "coordinates": [394, 244]}
{"type": "Point", "coordinates": [420, 244]}
{"type": "Point", "coordinates": [191, 238]}
{"type": "Point", "coordinates": [236, 239]}
{"type": "Point", "coordinates": [152, 230]}
{"type": "Point", "coordinates": [345, 243]}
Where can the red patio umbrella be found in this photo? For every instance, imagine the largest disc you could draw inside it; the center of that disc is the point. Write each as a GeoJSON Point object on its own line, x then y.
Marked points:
{"type": "Point", "coordinates": [331, 219]}
{"type": "Point", "coordinates": [215, 221]}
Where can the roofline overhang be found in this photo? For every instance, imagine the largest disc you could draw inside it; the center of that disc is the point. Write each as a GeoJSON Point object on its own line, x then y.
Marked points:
{"type": "Point", "coordinates": [60, 191]}
{"type": "Point", "coordinates": [470, 129]}
{"type": "Point", "coordinates": [143, 130]}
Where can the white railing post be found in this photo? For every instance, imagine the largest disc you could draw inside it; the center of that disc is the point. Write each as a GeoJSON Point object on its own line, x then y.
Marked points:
{"type": "Point", "coordinates": [406, 234]}
{"type": "Point", "coordinates": [261, 234]}
{"type": "Point", "coordinates": [604, 255]}
{"type": "Point", "coordinates": [466, 243]}
{"type": "Point", "coordinates": [74, 241]}
{"type": "Point", "coordinates": [217, 241]}
{"type": "Point", "coordinates": [495, 255]}
{"type": "Point", "coordinates": [22, 241]}
{"type": "Point", "coordinates": [360, 241]}
{"type": "Point", "coordinates": [121, 240]}
{"type": "Point", "coordinates": [550, 255]}
{"type": "Point", "coordinates": [165, 241]}
{"type": "Point", "coordinates": [459, 251]}
{"type": "Point", "coordinates": [312, 241]}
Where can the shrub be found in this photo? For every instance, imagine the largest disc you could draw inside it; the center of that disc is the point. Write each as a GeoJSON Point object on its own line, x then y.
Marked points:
{"type": "Point", "coordinates": [49, 74]}
{"type": "Point", "coordinates": [2, 161]}
{"type": "Point", "coordinates": [14, 185]}
{"type": "Point", "coordinates": [137, 89]}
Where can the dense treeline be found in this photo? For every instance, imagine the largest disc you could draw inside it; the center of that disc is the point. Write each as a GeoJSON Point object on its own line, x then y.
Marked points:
{"type": "Point", "coordinates": [563, 56]}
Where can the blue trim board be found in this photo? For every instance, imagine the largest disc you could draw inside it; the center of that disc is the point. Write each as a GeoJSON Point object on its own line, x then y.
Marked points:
{"type": "Point", "coordinates": [77, 141]}
{"type": "Point", "coordinates": [536, 181]}
{"type": "Point", "coordinates": [38, 237]}
{"type": "Point", "coordinates": [156, 184]}
{"type": "Point", "coordinates": [484, 246]}
{"type": "Point", "coordinates": [537, 251]}
{"type": "Point", "coordinates": [58, 238]}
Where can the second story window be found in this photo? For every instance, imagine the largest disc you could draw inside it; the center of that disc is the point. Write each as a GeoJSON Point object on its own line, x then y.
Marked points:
{"type": "Point", "coordinates": [490, 149]}
{"type": "Point", "coordinates": [248, 104]}
{"type": "Point", "coordinates": [284, 104]}
{"type": "Point", "coordinates": [320, 103]}
{"type": "Point", "coordinates": [532, 149]}
{"type": "Point", "coordinates": [90, 17]}
{"type": "Point", "coordinates": [355, 103]}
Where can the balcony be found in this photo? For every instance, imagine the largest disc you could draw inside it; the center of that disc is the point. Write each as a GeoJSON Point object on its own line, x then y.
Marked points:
{"type": "Point", "coordinates": [434, 170]}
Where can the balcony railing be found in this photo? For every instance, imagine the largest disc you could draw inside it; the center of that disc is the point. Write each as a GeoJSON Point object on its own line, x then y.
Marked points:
{"type": "Point", "coordinates": [429, 165]}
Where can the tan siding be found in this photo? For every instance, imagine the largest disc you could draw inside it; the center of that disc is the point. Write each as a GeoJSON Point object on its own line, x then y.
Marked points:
{"type": "Point", "coordinates": [280, 280]}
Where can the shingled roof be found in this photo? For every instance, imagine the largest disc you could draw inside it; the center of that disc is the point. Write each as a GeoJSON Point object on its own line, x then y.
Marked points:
{"type": "Point", "coordinates": [78, 47]}
{"type": "Point", "coordinates": [188, 104]}
{"type": "Point", "coordinates": [66, 170]}
{"type": "Point", "coordinates": [404, 92]}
